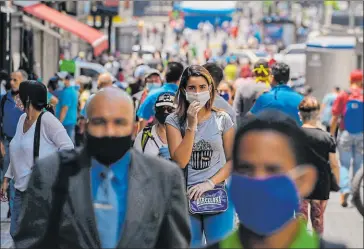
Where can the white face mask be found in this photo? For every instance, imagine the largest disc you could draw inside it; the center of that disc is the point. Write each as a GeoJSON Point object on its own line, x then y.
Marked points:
{"type": "Point", "coordinates": [201, 97]}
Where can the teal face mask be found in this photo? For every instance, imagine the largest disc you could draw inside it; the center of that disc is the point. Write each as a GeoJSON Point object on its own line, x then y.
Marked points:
{"type": "Point", "coordinates": [152, 86]}
{"type": "Point", "coordinates": [60, 84]}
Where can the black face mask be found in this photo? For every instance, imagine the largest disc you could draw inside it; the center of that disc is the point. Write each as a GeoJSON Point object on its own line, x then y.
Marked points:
{"type": "Point", "coordinates": [14, 92]}
{"type": "Point", "coordinates": [107, 150]}
{"type": "Point", "coordinates": [161, 116]}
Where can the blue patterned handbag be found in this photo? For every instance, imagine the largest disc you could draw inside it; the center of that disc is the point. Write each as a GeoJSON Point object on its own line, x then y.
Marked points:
{"type": "Point", "coordinates": [211, 202]}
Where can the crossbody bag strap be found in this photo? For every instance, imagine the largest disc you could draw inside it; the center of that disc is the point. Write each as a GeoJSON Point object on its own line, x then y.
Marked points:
{"type": "Point", "coordinates": [36, 142]}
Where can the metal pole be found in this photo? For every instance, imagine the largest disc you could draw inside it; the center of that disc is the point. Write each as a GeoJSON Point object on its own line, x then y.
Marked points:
{"type": "Point", "coordinates": [8, 65]}
{"type": "Point", "coordinates": [351, 15]}
{"type": "Point", "coordinates": [109, 33]}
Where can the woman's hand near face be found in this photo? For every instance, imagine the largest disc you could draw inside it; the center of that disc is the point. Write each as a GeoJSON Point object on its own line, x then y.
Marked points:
{"type": "Point", "coordinates": [192, 112]}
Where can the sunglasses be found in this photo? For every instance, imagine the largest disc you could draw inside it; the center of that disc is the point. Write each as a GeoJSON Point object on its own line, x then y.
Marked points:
{"type": "Point", "coordinates": [169, 109]}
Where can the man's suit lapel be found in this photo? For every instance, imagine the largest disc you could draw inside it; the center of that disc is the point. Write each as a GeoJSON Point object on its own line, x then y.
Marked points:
{"type": "Point", "coordinates": [138, 191]}
{"type": "Point", "coordinates": [82, 205]}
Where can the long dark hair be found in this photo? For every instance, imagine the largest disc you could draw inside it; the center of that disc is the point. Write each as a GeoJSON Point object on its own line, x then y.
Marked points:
{"type": "Point", "coordinates": [35, 93]}
{"type": "Point", "coordinates": [181, 101]}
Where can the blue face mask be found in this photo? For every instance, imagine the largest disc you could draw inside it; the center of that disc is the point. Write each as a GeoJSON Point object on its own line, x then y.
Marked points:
{"type": "Point", "coordinates": [60, 84]}
{"type": "Point", "coordinates": [264, 206]}
{"type": "Point", "coordinates": [225, 95]}
{"type": "Point", "coordinates": [152, 86]}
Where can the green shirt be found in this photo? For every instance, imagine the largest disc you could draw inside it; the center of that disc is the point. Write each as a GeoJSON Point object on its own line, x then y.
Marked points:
{"type": "Point", "coordinates": [304, 239]}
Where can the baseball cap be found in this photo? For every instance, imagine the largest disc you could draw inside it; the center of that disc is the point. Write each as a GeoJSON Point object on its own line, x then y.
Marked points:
{"type": "Point", "coordinates": [356, 76]}
{"type": "Point", "coordinates": [64, 75]}
{"type": "Point", "coordinates": [165, 99]}
{"type": "Point", "coordinates": [151, 72]}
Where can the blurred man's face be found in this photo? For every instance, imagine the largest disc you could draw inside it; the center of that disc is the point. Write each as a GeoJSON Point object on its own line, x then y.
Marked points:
{"type": "Point", "coordinates": [15, 80]}
{"type": "Point", "coordinates": [110, 119]}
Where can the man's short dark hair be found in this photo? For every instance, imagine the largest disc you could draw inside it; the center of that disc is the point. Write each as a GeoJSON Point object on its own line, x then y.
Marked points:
{"type": "Point", "coordinates": [280, 72]}
{"type": "Point", "coordinates": [174, 71]}
{"type": "Point", "coordinates": [215, 71]}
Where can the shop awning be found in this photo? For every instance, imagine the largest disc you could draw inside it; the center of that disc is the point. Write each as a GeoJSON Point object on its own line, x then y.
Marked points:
{"type": "Point", "coordinates": [94, 37]}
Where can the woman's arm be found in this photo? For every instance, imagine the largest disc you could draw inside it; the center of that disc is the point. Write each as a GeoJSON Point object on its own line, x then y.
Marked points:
{"type": "Point", "coordinates": [56, 132]}
{"type": "Point", "coordinates": [334, 166]}
{"type": "Point", "coordinates": [180, 148]}
{"type": "Point", "coordinates": [224, 172]}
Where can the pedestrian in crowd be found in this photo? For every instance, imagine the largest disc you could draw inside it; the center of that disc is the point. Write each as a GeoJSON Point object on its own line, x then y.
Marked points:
{"type": "Point", "coordinates": [247, 94]}
{"type": "Point", "coordinates": [281, 97]}
{"type": "Point", "coordinates": [226, 91]}
{"type": "Point", "coordinates": [152, 81]}
{"type": "Point", "coordinates": [200, 140]}
{"type": "Point", "coordinates": [152, 140]}
{"type": "Point", "coordinates": [51, 99]}
{"type": "Point", "coordinates": [4, 82]}
{"type": "Point", "coordinates": [220, 102]}
{"type": "Point", "coordinates": [85, 91]}
{"type": "Point", "coordinates": [231, 70]}
{"type": "Point", "coordinates": [66, 110]}
{"type": "Point", "coordinates": [146, 110]}
{"type": "Point", "coordinates": [84, 94]}
{"type": "Point", "coordinates": [326, 108]}
{"type": "Point", "coordinates": [11, 108]}
{"type": "Point", "coordinates": [120, 75]}
{"type": "Point", "coordinates": [321, 152]}
{"type": "Point", "coordinates": [53, 86]}
{"type": "Point", "coordinates": [51, 137]}
{"type": "Point", "coordinates": [120, 198]}
{"type": "Point", "coordinates": [348, 107]}
{"type": "Point", "coordinates": [267, 184]}
{"type": "Point", "coordinates": [104, 80]}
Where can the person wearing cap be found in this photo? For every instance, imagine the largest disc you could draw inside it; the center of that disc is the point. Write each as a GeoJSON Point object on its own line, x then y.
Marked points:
{"type": "Point", "coordinates": [66, 110]}
{"type": "Point", "coordinates": [53, 137]}
{"type": "Point", "coordinates": [348, 108]}
{"type": "Point", "coordinates": [152, 140]}
{"type": "Point", "coordinates": [281, 97]}
{"type": "Point", "coordinates": [146, 110]}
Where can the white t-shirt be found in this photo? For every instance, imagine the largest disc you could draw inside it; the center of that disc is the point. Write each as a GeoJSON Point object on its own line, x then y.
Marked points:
{"type": "Point", "coordinates": [151, 147]}
{"type": "Point", "coordinates": [53, 137]}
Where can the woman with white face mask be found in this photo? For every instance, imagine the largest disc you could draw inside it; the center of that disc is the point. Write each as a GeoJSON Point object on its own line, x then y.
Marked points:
{"type": "Point", "coordinates": [200, 139]}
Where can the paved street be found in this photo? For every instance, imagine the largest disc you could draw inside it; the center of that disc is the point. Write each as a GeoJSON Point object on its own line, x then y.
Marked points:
{"type": "Point", "coordinates": [341, 225]}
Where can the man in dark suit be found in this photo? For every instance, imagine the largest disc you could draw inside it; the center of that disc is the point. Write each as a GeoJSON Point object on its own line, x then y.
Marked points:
{"type": "Point", "coordinates": [119, 198]}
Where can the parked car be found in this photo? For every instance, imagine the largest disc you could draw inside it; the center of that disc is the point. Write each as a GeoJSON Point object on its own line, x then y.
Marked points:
{"type": "Point", "coordinates": [295, 56]}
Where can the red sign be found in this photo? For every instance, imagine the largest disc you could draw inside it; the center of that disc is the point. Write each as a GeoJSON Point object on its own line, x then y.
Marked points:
{"type": "Point", "coordinates": [111, 3]}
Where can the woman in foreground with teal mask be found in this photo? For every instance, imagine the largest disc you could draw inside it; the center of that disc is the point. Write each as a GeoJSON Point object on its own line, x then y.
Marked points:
{"type": "Point", "coordinates": [269, 179]}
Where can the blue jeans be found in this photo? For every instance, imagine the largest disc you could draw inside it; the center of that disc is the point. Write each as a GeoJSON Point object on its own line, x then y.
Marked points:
{"type": "Point", "coordinates": [70, 131]}
{"type": "Point", "coordinates": [6, 162]}
{"type": "Point", "coordinates": [214, 227]}
{"type": "Point", "coordinates": [15, 211]}
{"type": "Point", "coordinates": [350, 147]}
